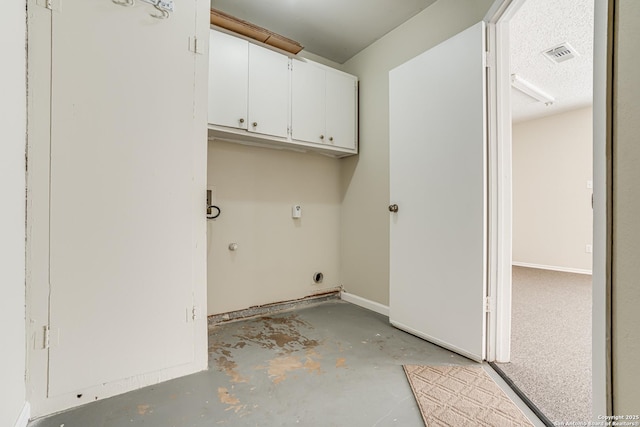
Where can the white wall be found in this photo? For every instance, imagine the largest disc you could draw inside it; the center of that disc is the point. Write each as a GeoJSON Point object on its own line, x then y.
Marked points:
{"type": "Point", "coordinates": [552, 214]}
{"type": "Point", "coordinates": [13, 124]}
{"type": "Point", "coordinates": [364, 235]}
{"type": "Point", "coordinates": [277, 255]}
{"type": "Point", "coordinates": [626, 211]}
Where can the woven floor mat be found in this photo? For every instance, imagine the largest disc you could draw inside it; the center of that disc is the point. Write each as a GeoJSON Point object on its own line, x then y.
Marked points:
{"type": "Point", "coordinates": [462, 396]}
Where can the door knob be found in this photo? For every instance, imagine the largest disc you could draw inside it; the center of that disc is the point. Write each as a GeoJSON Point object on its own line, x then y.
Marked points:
{"type": "Point", "coordinates": [255, 124]}
{"type": "Point", "coordinates": [393, 208]}
{"type": "Point", "coordinates": [241, 120]}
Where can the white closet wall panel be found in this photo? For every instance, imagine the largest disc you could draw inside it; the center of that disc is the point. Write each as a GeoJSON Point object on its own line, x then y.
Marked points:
{"type": "Point", "coordinates": [124, 181]}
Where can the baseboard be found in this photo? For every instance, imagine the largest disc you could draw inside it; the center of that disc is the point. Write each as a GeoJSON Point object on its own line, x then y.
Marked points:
{"type": "Point", "coordinates": [23, 419]}
{"type": "Point", "coordinates": [57, 404]}
{"type": "Point", "coordinates": [552, 267]}
{"type": "Point", "coordinates": [262, 310]}
{"type": "Point", "coordinates": [437, 341]}
{"type": "Point", "coordinates": [365, 303]}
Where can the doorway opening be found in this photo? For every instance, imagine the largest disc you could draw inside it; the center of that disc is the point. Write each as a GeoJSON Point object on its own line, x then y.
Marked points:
{"type": "Point", "coordinates": [550, 165]}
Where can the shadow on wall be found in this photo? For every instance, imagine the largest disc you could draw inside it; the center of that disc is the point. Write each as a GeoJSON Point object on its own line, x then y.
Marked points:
{"type": "Point", "coordinates": [348, 166]}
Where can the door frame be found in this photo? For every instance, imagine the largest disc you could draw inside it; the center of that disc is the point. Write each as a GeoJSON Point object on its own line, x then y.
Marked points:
{"type": "Point", "coordinates": [500, 195]}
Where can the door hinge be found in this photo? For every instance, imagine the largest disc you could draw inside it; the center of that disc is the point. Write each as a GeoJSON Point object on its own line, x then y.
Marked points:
{"type": "Point", "coordinates": [192, 314]}
{"type": "Point", "coordinates": [48, 340]}
{"type": "Point", "coordinates": [289, 130]}
{"type": "Point", "coordinates": [488, 304]}
{"type": "Point", "coordinates": [487, 58]}
{"type": "Point", "coordinates": [195, 45]}
{"type": "Point", "coordinates": [54, 5]}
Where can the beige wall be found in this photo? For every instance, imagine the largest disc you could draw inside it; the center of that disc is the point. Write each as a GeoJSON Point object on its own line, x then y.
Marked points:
{"type": "Point", "coordinates": [552, 214]}
{"type": "Point", "coordinates": [12, 215]}
{"type": "Point", "coordinates": [317, 58]}
{"type": "Point", "coordinates": [626, 212]}
{"type": "Point", "coordinates": [364, 243]}
{"type": "Point", "coordinates": [277, 255]}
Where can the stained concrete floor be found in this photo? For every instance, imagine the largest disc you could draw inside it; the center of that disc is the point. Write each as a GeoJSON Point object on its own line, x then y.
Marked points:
{"type": "Point", "coordinates": [331, 364]}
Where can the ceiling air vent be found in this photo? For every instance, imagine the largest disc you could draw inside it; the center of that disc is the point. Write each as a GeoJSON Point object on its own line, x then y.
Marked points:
{"type": "Point", "coordinates": [561, 53]}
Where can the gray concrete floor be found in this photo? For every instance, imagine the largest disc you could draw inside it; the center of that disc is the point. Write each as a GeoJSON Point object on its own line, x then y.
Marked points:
{"type": "Point", "coordinates": [332, 364]}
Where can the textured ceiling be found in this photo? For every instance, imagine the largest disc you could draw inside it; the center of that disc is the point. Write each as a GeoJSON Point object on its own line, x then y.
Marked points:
{"type": "Point", "coordinates": [538, 26]}
{"type": "Point", "coordinates": [334, 29]}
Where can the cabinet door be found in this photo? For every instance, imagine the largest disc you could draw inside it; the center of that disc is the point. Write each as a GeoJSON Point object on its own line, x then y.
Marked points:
{"type": "Point", "coordinates": [268, 92]}
{"type": "Point", "coordinates": [228, 76]}
{"type": "Point", "coordinates": [308, 102]}
{"type": "Point", "coordinates": [341, 110]}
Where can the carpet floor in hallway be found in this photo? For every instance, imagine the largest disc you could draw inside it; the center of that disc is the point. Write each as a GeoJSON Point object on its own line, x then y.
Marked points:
{"type": "Point", "coordinates": [551, 342]}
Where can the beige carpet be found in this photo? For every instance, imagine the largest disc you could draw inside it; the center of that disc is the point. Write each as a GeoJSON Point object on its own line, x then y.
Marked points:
{"type": "Point", "coordinates": [461, 396]}
{"type": "Point", "coordinates": [551, 342]}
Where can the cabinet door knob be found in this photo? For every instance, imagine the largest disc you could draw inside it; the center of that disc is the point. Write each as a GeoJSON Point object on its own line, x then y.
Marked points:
{"type": "Point", "coordinates": [393, 208]}
{"type": "Point", "coordinates": [321, 136]}
{"type": "Point", "coordinates": [255, 124]}
{"type": "Point", "coordinates": [241, 120]}
{"type": "Point", "coordinates": [330, 138]}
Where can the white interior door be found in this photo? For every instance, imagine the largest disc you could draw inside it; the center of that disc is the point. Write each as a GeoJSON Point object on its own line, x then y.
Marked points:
{"type": "Point", "coordinates": [123, 230]}
{"type": "Point", "coordinates": [438, 180]}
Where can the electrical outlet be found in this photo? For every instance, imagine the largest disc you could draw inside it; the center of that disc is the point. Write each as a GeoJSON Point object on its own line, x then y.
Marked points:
{"type": "Point", "coordinates": [589, 249]}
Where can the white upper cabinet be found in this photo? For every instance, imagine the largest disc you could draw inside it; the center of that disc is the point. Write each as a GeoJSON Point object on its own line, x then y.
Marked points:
{"type": "Point", "coordinates": [308, 102]}
{"type": "Point", "coordinates": [228, 76]}
{"type": "Point", "coordinates": [248, 86]}
{"type": "Point", "coordinates": [268, 92]}
{"type": "Point", "coordinates": [341, 93]}
{"type": "Point", "coordinates": [260, 96]}
{"type": "Point", "coordinates": [323, 105]}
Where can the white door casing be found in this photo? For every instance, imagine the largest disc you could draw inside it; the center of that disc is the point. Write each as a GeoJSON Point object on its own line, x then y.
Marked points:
{"type": "Point", "coordinates": [438, 167]}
